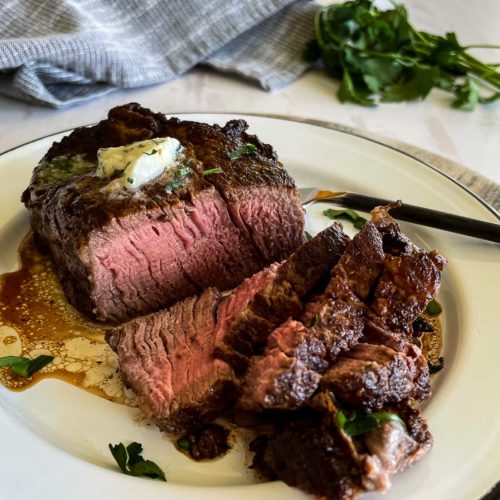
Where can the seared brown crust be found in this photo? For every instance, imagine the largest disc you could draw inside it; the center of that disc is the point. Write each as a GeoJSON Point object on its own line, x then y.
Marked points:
{"type": "Point", "coordinates": [282, 298]}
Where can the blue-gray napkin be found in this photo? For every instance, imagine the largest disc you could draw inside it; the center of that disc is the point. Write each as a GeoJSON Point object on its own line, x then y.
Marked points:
{"type": "Point", "coordinates": [61, 52]}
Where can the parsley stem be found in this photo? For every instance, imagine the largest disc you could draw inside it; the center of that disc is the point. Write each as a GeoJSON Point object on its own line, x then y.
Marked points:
{"type": "Point", "coordinates": [482, 46]}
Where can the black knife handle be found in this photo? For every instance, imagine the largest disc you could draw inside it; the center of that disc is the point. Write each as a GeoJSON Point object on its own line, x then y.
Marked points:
{"type": "Point", "coordinates": [423, 216]}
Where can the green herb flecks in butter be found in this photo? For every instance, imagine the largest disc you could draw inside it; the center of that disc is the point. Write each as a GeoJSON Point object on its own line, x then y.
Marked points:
{"type": "Point", "coordinates": [138, 163]}
{"type": "Point", "coordinates": [62, 168]}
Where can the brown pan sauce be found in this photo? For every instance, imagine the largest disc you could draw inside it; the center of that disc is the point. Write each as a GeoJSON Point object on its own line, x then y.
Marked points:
{"type": "Point", "coordinates": [35, 318]}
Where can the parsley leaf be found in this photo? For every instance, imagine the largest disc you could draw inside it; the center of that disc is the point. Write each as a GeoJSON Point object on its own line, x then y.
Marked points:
{"type": "Point", "coordinates": [132, 463]}
{"type": "Point", "coordinates": [171, 186]}
{"type": "Point", "coordinates": [183, 443]}
{"type": "Point", "coordinates": [434, 308]}
{"type": "Point", "coordinates": [244, 150]}
{"type": "Point", "coordinates": [466, 95]}
{"type": "Point", "coordinates": [25, 367]}
{"type": "Point", "coordinates": [354, 424]}
{"type": "Point", "coordinates": [348, 214]}
{"type": "Point", "coordinates": [380, 57]}
{"type": "Point", "coordinates": [211, 171]}
{"type": "Point", "coordinates": [153, 152]}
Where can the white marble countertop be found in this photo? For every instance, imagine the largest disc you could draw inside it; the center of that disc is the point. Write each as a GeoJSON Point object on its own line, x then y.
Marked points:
{"type": "Point", "coordinates": [469, 138]}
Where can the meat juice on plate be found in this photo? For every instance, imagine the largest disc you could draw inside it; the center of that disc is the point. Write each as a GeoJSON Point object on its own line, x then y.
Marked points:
{"type": "Point", "coordinates": [36, 319]}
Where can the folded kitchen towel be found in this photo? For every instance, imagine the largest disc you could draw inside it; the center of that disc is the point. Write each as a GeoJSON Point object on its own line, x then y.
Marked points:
{"type": "Point", "coordinates": [61, 52]}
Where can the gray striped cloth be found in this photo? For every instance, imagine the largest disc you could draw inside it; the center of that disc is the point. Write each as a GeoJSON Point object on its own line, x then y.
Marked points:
{"type": "Point", "coordinates": [62, 52]}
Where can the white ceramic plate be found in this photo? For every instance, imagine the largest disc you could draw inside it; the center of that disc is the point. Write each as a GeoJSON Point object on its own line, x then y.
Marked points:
{"type": "Point", "coordinates": [54, 437]}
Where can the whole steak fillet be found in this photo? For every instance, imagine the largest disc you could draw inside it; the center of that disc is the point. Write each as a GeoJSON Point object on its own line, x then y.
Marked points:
{"type": "Point", "coordinates": [120, 253]}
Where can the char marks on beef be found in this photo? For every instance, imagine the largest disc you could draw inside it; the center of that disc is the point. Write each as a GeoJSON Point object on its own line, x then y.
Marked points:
{"type": "Point", "coordinates": [410, 279]}
{"type": "Point", "coordinates": [167, 359]}
{"type": "Point", "coordinates": [369, 376]}
{"type": "Point", "coordinates": [281, 297]}
{"type": "Point", "coordinates": [120, 254]}
{"type": "Point", "coordinates": [362, 262]}
{"type": "Point", "coordinates": [308, 450]}
{"type": "Point", "coordinates": [286, 376]}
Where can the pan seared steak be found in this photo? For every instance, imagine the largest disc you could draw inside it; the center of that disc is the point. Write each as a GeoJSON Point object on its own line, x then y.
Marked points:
{"type": "Point", "coordinates": [121, 253]}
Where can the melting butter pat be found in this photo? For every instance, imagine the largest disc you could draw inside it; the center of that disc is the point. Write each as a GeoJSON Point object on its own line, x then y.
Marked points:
{"type": "Point", "coordinates": [138, 163]}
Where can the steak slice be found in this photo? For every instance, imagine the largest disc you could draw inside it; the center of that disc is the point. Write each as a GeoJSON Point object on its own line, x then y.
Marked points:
{"type": "Point", "coordinates": [120, 253]}
{"type": "Point", "coordinates": [395, 448]}
{"type": "Point", "coordinates": [305, 454]}
{"type": "Point", "coordinates": [286, 376]}
{"type": "Point", "coordinates": [370, 376]}
{"type": "Point", "coordinates": [362, 263]}
{"type": "Point", "coordinates": [411, 276]}
{"type": "Point", "coordinates": [337, 318]}
{"type": "Point", "coordinates": [281, 297]}
{"type": "Point", "coordinates": [166, 358]}
{"type": "Point", "coordinates": [308, 450]}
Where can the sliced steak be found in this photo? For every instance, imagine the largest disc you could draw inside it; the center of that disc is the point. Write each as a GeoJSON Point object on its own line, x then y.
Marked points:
{"type": "Point", "coordinates": [393, 447]}
{"type": "Point", "coordinates": [122, 253]}
{"type": "Point", "coordinates": [370, 376]}
{"type": "Point", "coordinates": [337, 318]}
{"type": "Point", "coordinates": [411, 276]}
{"type": "Point", "coordinates": [311, 456]}
{"type": "Point", "coordinates": [308, 450]}
{"type": "Point", "coordinates": [286, 376]}
{"type": "Point", "coordinates": [281, 298]}
{"type": "Point", "coordinates": [362, 263]}
{"type": "Point", "coordinates": [233, 306]}
{"type": "Point", "coordinates": [408, 284]}
{"type": "Point", "coordinates": [167, 359]}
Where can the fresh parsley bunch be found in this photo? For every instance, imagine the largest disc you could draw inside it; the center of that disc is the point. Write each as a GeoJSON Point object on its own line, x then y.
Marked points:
{"type": "Point", "coordinates": [381, 57]}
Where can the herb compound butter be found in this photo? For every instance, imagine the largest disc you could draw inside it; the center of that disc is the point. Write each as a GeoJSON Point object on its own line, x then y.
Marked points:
{"type": "Point", "coordinates": [138, 163]}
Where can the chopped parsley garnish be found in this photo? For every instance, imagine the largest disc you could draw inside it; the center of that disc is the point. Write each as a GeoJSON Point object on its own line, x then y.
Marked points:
{"type": "Point", "coordinates": [315, 320]}
{"type": "Point", "coordinates": [132, 463]}
{"type": "Point", "coordinates": [153, 152]}
{"type": "Point", "coordinates": [355, 424]}
{"type": "Point", "coordinates": [171, 186]}
{"type": "Point", "coordinates": [183, 443]}
{"type": "Point", "coordinates": [183, 171]}
{"type": "Point", "coordinates": [434, 308]}
{"type": "Point", "coordinates": [434, 368]}
{"type": "Point", "coordinates": [244, 150]}
{"type": "Point", "coordinates": [130, 180]}
{"type": "Point", "coordinates": [25, 367]}
{"type": "Point", "coordinates": [351, 215]}
{"type": "Point", "coordinates": [211, 171]}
